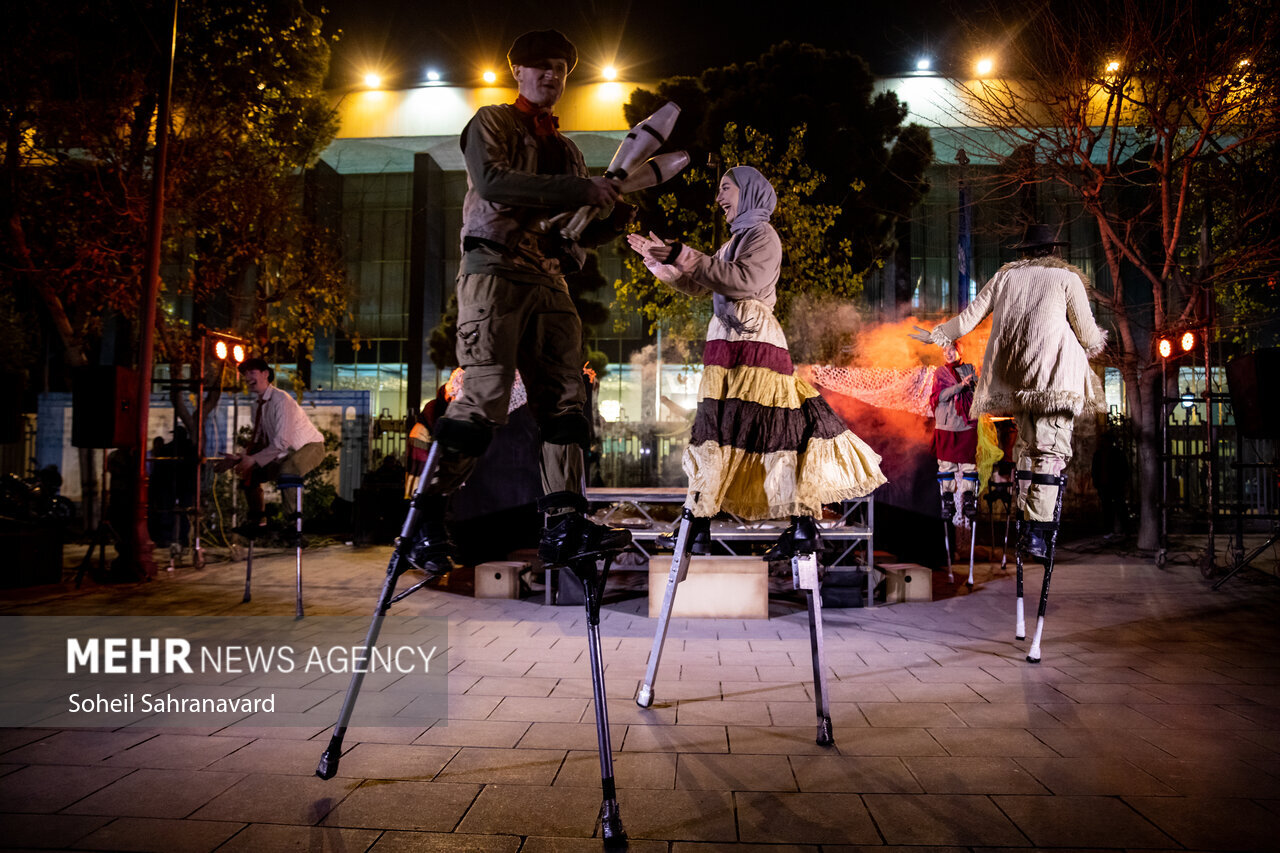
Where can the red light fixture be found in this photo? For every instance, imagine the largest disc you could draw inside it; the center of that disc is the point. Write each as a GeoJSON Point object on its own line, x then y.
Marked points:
{"type": "Point", "coordinates": [227, 346]}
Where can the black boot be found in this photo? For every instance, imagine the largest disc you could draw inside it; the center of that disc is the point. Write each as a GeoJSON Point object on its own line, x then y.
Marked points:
{"type": "Point", "coordinates": [699, 535]}
{"type": "Point", "coordinates": [432, 552]}
{"type": "Point", "coordinates": [800, 538]}
{"type": "Point", "coordinates": [1034, 541]}
{"type": "Point", "coordinates": [569, 534]}
{"type": "Point", "coordinates": [969, 505]}
{"type": "Point", "coordinates": [948, 506]}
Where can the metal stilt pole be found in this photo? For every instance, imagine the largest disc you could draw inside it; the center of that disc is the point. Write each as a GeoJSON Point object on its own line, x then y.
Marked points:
{"type": "Point", "coordinates": [949, 505]}
{"type": "Point", "coordinates": [973, 538]}
{"type": "Point", "coordinates": [398, 565]}
{"type": "Point", "coordinates": [967, 492]}
{"type": "Point", "coordinates": [1004, 548]}
{"type": "Point", "coordinates": [804, 575]}
{"type": "Point", "coordinates": [248, 572]}
{"type": "Point", "coordinates": [593, 582]}
{"type": "Point", "coordinates": [679, 569]}
{"type": "Point", "coordinates": [946, 543]}
{"type": "Point", "coordinates": [1020, 622]}
{"type": "Point", "coordinates": [1051, 542]}
{"type": "Point", "coordinates": [295, 483]}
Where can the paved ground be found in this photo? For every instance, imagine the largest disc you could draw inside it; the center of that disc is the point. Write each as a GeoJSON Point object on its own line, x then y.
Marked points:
{"type": "Point", "coordinates": [1152, 724]}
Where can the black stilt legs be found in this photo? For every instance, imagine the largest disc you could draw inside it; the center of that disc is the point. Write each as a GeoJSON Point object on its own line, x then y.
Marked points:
{"type": "Point", "coordinates": [593, 577]}
{"type": "Point", "coordinates": [1039, 540]}
{"type": "Point", "coordinates": [398, 565]}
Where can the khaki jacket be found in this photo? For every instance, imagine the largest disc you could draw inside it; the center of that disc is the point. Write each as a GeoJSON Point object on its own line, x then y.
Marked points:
{"type": "Point", "coordinates": [505, 195]}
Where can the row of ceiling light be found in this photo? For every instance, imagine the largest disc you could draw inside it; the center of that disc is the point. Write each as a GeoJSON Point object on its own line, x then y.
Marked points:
{"type": "Point", "coordinates": [983, 67]}
{"type": "Point", "coordinates": [374, 80]}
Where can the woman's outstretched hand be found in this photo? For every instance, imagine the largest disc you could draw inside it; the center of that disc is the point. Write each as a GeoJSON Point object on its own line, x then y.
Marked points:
{"type": "Point", "coordinates": [651, 248]}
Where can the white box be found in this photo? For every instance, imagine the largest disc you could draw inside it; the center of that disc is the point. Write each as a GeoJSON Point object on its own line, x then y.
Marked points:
{"type": "Point", "coordinates": [713, 588]}
{"type": "Point", "coordinates": [907, 582]}
{"type": "Point", "coordinates": [499, 579]}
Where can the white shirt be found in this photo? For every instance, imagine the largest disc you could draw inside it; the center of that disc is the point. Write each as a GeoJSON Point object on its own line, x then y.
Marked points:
{"type": "Point", "coordinates": [280, 427]}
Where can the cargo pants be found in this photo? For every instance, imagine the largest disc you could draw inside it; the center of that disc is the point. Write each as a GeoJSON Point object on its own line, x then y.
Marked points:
{"type": "Point", "coordinates": [503, 326]}
{"type": "Point", "coordinates": [1043, 447]}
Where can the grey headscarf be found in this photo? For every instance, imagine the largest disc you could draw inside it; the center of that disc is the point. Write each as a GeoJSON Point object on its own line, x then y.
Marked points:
{"type": "Point", "coordinates": [756, 203]}
{"type": "Point", "coordinates": [756, 198]}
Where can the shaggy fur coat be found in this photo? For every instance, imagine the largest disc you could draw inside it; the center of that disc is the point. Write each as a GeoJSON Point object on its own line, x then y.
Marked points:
{"type": "Point", "coordinates": [1042, 337]}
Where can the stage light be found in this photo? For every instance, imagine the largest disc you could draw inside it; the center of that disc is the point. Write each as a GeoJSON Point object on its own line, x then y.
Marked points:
{"type": "Point", "coordinates": [923, 64]}
{"type": "Point", "coordinates": [985, 66]}
{"type": "Point", "coordinates": [227, 346]}
{"type": "Point", "coordinates": [1113, 67]}
{"type": "Point", "coordinates": [1165, 347]}
{"type": "Point", "coordinates": [609, 73]}
{"type": "Point", "coordinates": [490, 77]}
{"type": "Point", "coordinates": [433, 76]}
{"type": "Point", "coordinates": [1187, 341]}
{"type": "Point", "coordinates": [372, 80]}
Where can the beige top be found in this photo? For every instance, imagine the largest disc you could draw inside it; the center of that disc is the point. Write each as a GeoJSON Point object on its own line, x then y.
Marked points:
{"type": "Point", "coordinates": [752, 274]}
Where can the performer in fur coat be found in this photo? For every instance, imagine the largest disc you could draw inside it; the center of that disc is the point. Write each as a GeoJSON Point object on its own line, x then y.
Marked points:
{"type": "Point", "coordinates": [1036, 366]}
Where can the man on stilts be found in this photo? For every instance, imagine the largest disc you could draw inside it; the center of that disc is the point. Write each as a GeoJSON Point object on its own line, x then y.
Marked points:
{"type": "Point", "coordinates": [514, 311]}
{"type": "Point", "coordinates": [1036, 368]}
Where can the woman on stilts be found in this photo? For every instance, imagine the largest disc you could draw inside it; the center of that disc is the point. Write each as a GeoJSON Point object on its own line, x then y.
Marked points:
{"type": "Point", "coordinates": [764, 443]}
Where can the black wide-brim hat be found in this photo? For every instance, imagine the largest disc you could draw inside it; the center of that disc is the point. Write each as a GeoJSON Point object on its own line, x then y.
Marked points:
{"type": "Point", "coordinates": [260, 364]}
{"type": "Point", "coordinates": [537, 45]}
{"type": "Point", "coordinates": [1039, 235]}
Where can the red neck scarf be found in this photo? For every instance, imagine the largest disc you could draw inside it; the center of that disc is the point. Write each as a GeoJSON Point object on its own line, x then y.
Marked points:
{"type": "Point", "coordinates": [544, 123]}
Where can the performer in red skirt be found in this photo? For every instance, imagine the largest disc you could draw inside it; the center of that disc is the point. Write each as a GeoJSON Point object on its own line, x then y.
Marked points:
{"type": "Point", "coordinates": [955, 437]}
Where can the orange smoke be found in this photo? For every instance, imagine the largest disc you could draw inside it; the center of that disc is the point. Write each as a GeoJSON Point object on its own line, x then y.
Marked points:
{"type": "Point", "coordinates": [890, 345]}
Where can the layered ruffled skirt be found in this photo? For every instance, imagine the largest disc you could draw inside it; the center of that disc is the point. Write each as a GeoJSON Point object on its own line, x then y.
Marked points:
{"type": "Point", "coordinates": [765, 444]}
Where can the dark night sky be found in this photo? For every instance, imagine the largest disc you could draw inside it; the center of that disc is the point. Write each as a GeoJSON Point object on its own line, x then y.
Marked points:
{"type": "Point", "coordinates": [649, 39]}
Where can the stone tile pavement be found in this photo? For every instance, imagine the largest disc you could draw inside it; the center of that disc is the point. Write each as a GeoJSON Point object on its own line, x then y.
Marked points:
{"type": "Point", "coordinates": [1153, 723]}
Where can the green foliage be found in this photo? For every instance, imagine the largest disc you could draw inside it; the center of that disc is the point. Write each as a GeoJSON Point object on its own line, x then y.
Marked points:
{"type": "Point", "coordinates": [874, 165]}
{"type": "Point", "coordinates": [243, 248]}
{"type": "Point", "coordinates": [813, 261]}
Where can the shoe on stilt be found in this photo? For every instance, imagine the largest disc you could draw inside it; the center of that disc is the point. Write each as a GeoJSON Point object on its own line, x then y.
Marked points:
{"type": "Point", "coordinates": [969, 505]}
{"type": "Point", "coordinates": [432, 551]}
{"type": "Point", "coordinates": [569, 534]}
{"type": "Point", "coordinates": [801, 537]}
{"type": "Point", "coordinates": [699, 534]}
{"type": "Point", "coordinates": [948, 505]}
{"type": "Point", "coordinates": [1034, 541]}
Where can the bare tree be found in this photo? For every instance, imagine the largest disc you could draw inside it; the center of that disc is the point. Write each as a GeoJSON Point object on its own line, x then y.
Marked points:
{"type": "Point", "coordinates": [1158, 122]}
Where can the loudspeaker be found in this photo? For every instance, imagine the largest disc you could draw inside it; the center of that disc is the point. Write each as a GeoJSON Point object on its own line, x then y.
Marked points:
{"type": "Point", "coordinates": [1255, 386]}
{"type": "Point", "coordinates": [1254, 382]}
{"type": "Point", "coordinates": [104, 407]}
